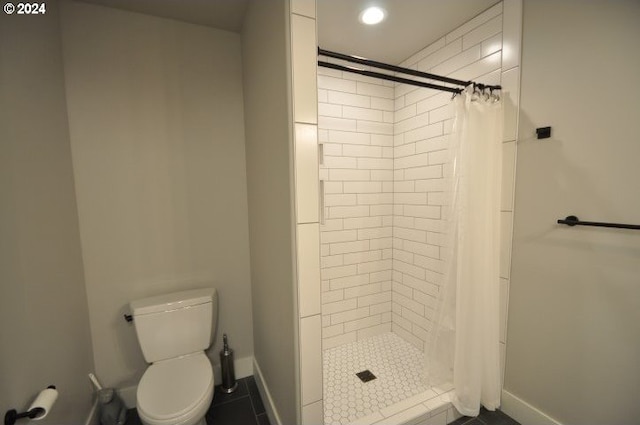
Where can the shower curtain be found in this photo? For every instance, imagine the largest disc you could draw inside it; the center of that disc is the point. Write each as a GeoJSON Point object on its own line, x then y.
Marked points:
{"type": "Point", "coordinates": [464, 341]}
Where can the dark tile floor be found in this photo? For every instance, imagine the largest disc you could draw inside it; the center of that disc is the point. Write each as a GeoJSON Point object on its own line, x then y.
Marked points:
{"type": "Point", "coordinates": [487, 417]}
{"type": "Point", "coordinates": [244, 407]}
{"type": "Point", "coordinates": [241, 407]}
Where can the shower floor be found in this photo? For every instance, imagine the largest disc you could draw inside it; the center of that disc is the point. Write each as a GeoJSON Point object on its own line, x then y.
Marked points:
{"type": "Point", "coordinates": [398, 367]}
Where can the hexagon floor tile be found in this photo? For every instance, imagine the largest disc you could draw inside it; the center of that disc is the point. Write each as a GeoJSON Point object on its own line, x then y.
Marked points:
{"type": "Point", "coordinates": [397, 365]}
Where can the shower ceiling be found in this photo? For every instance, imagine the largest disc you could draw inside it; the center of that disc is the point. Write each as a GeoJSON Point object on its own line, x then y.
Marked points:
{"type": "Point", "coordinates": [410, 24]}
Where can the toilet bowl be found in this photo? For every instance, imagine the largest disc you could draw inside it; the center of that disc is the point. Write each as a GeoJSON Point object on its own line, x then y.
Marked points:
{"type": "Point", "coordinates": [176, 391]}
{"type": "Point", "coordinates": [173, 331]}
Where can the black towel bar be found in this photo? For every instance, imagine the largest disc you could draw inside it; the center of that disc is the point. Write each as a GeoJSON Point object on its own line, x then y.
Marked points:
{"type": "Point", "coordinates": [572, 220]}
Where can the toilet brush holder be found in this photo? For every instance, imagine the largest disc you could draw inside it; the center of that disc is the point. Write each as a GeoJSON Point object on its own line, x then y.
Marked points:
{"type": "Point", "coordinates": [112, 409]}
{"type": "Point", "coordinates": [229, 383]}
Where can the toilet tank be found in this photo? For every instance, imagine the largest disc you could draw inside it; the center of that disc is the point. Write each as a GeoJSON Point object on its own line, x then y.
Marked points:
{"type": "Point", "coordinates": [175, 324]}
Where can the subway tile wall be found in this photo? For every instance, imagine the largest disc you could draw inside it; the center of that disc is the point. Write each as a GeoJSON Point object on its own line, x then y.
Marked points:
{"type": "Point", "coordinates": [356, 124]}
{"type": "Point", "coordinates": [383, 149]}
{"type": "Point", "coordinates": [302, 20]}
{"type": "Point", "coordinates": [424, 119]}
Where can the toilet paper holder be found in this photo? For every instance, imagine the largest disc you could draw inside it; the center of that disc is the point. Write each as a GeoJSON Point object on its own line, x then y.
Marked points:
{"type": "Point", "coordinates": [12, 415]}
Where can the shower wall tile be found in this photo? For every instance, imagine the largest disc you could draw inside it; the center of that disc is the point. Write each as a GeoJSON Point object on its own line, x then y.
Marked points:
{"type": "Point", "coordinates": [304, 7]}
{"type": "Point", "coordinates": [477, 70]}
{"type": "Point", "coordinates": [338, 97]}
{"type": "Point", "coordinates": [474, 23]}
{"type": "Point", "coordinates": [313, 414]}
{"type": "Point", "coordinates": [303, 59]}
{"type": "Point", "coordinates": [506, 231]}
{"type": "Point", "coordinates": [469, 55]}
{"type": "Point", "coordinates": [386, 105]}
{"type": "Point", "coordinates": [504, 300]}
{"type": "Point", "coordinates": [405, 334]}
{"type": "Point", "coordinates": [374, 330]}
{"type": "Point", "coordinates": [503, 355]}
{"type": "Point", "coordinates": [512, 34]}
{"type": "Point", "coordinates": [439, 56]}
{"type": "Point", "coordinates": [308, 269]}
{"type": "Point", "coordinates": [306, 172]}
{"type": "Point", "coordinates": [376, 90]}
{"type": "Point", "coordinates": [311, 359]}
{"type": "Point", "coordinates": [508, 175]}
{"type": "Point", "coordinates": [423, 122]}
{"type": "Point", "coordinates": [511, 53]}
{"type": "Point", "coordinates": [356, 117]}
{"type": "Point", "coordinates": [335, 341]}
{"type": "Point", "coordinates": [511, 98]}
{"type": "Point", "coordinates": [361, 113]}
{"type": "Point", "coordinates": [483, 32]}
{"type": "Point", "coordinates": [304, 96]}
{"type": "Point", "coordinates": [337, 124]}
{"type": "Point", "coordinates": [337, 84]}
{"type": "Point", "coordinates": [417, 57]}
{"type": "Point", "coordinates": [491, 45]}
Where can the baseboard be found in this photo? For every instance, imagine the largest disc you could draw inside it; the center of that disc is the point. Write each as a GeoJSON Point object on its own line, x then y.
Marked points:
{"type": "Point", "coordinates": [243, 367]}
{"type": "Point", "coordinates": [272, 412]}
{"type": "Point", "coordinates": [523, 412]}
{"type": "Point", "coordinates": [92, 417]}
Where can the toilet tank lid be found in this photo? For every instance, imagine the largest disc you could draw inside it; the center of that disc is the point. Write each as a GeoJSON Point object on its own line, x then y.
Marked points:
{"type": "Point", "coordinates": [172, 301]}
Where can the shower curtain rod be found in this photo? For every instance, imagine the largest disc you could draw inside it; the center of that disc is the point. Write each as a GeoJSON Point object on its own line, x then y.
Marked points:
{"type": "Point", "coordinates": [399, 69]}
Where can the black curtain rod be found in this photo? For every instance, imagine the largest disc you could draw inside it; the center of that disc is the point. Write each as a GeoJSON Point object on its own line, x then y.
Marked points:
{"type": "Point", "coordinates": [387, 77]}
{"type": "Point", "coordinates": [394, 68]}
{"type": "Point", "coordinates": [572, 220]}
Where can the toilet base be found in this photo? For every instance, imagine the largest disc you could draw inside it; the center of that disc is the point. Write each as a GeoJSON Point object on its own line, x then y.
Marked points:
{"type": "Point", "coordinates": [202, 421]}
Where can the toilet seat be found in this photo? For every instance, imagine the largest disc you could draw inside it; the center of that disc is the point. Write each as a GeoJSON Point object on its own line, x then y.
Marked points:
{"type": "Point", "coordinates": [176, 391]}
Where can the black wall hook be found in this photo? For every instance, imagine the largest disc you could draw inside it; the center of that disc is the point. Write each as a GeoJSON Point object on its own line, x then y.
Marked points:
{"type": "Point", "coordinates": [543, 132]}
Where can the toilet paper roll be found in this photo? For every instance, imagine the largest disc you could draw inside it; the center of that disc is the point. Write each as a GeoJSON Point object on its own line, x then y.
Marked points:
{"type": "Point", "coordinates": [44, 402]}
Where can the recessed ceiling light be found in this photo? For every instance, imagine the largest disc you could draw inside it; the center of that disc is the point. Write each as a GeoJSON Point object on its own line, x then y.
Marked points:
{"type": "Point", "coordinates": [372, 15]}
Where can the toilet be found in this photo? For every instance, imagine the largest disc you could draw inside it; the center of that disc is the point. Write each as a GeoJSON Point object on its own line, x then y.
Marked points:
{"type": "Point", "coordinates": [173, 331]}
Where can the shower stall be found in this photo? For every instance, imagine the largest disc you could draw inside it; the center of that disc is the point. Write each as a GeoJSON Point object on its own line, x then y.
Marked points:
{"type": "Point", "coordinates": [383, 152]}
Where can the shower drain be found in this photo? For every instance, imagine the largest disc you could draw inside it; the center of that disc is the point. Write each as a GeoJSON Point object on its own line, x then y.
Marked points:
{"type": "Point", "coordinates": [366, 376]}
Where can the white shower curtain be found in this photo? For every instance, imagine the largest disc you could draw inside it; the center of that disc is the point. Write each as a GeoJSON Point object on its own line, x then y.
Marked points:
{"type": "Point", "coordinates": [464, 343]}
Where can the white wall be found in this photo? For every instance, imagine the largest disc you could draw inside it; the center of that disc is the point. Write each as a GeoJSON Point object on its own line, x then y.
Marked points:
{"type": "Point", "coordinates": [574, 336]}
{"type": "Point", "coordinates": [156, 119]}
{"type": "Point", "coordinates": [43, 306]}
{"type": "Point", "coordinates": [270, 180]}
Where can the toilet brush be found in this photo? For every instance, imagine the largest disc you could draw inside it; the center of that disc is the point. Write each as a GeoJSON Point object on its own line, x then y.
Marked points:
{"type": "Point", "coordinates": [113, 410]}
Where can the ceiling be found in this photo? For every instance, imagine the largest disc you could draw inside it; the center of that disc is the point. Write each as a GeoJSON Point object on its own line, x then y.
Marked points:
{"type": "Point", "coordinates": [223, 14]}
{"type": "Point", "coordinates": [410, 25]}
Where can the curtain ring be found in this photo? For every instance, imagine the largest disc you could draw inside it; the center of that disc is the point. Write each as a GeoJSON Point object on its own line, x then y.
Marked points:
{"type": "Point", "coordinates": [496, 96]}
{"type": "Point", "coordinates": [476, 92]}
